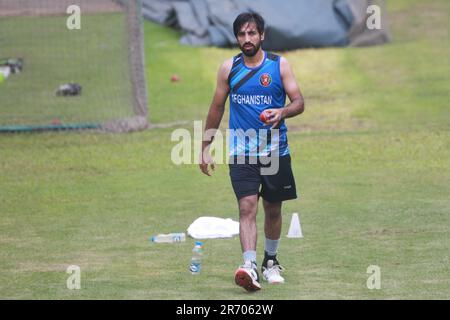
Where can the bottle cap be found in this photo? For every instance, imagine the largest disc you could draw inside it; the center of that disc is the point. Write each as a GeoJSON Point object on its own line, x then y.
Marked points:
{"type": "Point", "coordinates": [198, 243]}
{"type": "Point", "coordinates": [152, 239]}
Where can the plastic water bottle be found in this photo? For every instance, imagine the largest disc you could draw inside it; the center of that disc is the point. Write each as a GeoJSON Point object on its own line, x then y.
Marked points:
{"type": "Point", "coordinates": [197, 257]}
{"type": "Point", "coordinates": [169, 238]}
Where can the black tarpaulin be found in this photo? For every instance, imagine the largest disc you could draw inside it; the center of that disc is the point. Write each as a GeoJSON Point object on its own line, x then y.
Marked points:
{"type": "Point", "coordinates": [290, 24]}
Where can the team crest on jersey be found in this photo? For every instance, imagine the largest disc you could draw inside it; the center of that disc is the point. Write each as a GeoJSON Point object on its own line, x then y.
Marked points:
{"type": "Point", "coordinates": [265, 79]}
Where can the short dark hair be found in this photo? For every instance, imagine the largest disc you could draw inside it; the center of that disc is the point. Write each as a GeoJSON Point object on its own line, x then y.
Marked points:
{"type": "Point", "coordinates": [247, 17]}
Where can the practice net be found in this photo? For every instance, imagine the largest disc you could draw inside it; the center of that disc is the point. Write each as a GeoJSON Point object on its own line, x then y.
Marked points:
{"type": "Point", "coordinates": [72, 64]}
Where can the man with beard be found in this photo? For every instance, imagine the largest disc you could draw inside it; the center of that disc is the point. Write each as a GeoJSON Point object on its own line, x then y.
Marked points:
{"type": "Point", "coordinates": [256, 81]}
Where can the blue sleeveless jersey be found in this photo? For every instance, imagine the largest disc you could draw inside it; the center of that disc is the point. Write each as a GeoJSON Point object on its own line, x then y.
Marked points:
{"type": "Point", "coordinates": [253, 90]}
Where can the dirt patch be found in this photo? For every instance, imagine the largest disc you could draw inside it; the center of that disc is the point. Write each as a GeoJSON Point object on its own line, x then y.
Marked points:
{"type": "Point", "coordinates": [393, 232]}
{"type": "Point", "coordinates": [10, 8]}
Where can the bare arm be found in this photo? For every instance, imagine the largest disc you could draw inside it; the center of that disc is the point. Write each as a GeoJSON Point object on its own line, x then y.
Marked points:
{"type": "Point", "coordinates": [297, 105]}
{"type": "Point", "coordinates": [215, 115]}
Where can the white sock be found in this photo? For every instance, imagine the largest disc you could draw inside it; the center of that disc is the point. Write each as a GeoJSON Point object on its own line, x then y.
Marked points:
{"type": "Point", "coordinates": [250, 255]}
{"type": "Point", "coordinates": [272, 246]}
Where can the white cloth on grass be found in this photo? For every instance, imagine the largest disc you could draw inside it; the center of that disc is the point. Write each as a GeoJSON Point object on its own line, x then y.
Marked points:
{"type": "Point", "coordinates": [212, 227]}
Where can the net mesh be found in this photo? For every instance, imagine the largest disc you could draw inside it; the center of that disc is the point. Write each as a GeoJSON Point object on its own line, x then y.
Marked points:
{"type": "Point", "coordinates": [104, 57]}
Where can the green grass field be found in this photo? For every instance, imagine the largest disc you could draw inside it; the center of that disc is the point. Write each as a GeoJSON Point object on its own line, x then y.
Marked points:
{"type": "Point", "coordinates": [371, 158]}
{"type": "Point", "coordinates": [94, 56]}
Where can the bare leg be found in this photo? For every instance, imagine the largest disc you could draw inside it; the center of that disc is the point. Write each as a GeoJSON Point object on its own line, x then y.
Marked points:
{"type": "Point", "coordinates": [247, 275]}
{"type": "Point", "coordinates": [248, 207]}
{"type": "Point", "coordinates": [273, 220]}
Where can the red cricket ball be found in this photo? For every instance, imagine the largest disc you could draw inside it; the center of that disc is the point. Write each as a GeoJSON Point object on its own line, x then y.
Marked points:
{"type": "Point", "coordinates": [175, 78]}
{"type": "Point", "coordinates": [56, 121]}
{"type": "Point", "coordinates": [264, 116]}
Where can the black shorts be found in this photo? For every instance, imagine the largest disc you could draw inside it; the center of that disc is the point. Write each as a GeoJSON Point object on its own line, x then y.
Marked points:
{"type": "Point", "coordinates": [247, 179]}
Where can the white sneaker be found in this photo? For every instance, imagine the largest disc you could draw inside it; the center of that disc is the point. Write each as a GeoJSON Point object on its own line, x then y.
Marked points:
{"type": "Point", "coordinates": [247, 276]}
{"type": "Point", "coordinates": [271, 273]}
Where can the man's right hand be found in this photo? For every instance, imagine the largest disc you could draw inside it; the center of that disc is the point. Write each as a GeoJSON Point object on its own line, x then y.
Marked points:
{"type": "Point", "coordinates": [205, 160]}
{"type": "Point", "coordinates": [215, 114]}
